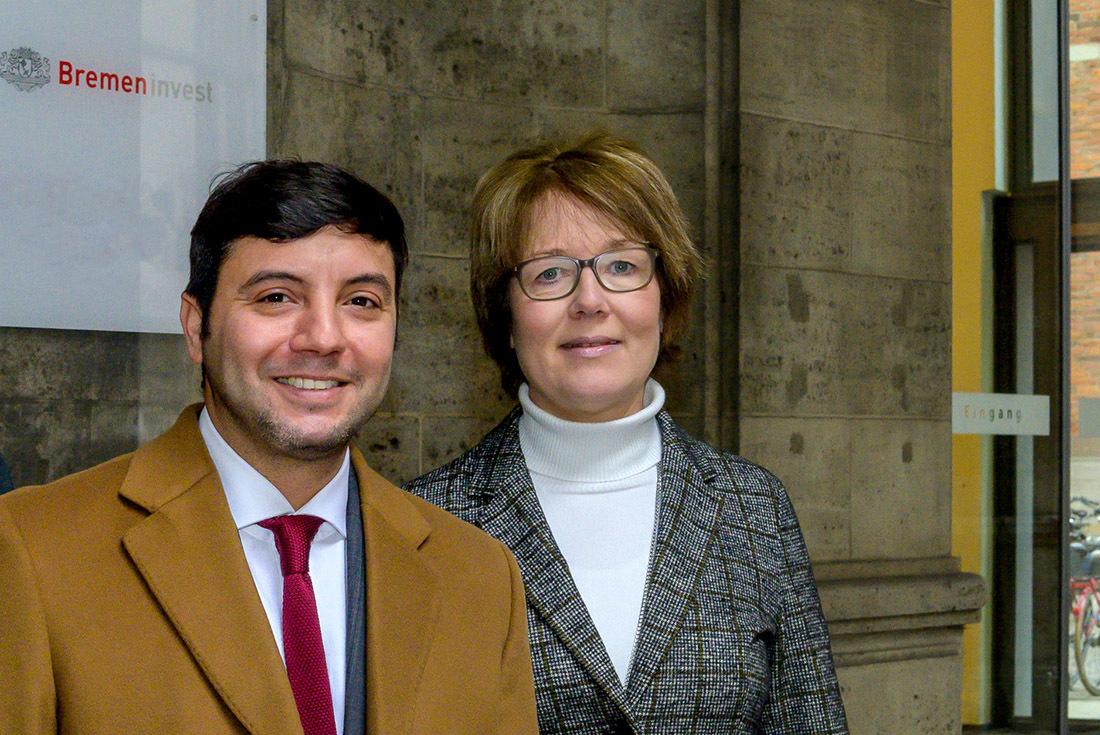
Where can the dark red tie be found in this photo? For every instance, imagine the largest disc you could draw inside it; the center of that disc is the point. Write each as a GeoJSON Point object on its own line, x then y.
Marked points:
{"type": "Point", "coordinates": [302, 645]}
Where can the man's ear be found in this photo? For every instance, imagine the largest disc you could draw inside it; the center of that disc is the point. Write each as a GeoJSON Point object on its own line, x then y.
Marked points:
{"type": "Point", "coordinates": [191, 320]}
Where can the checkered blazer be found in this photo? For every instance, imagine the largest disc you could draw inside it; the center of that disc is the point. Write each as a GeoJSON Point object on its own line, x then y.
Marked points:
{"type": "Point", "coordinates": [731, 637]}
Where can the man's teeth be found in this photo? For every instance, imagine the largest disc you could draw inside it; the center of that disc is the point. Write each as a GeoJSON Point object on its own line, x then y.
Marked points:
{"type": "Point", "coordinates": [309, 384]}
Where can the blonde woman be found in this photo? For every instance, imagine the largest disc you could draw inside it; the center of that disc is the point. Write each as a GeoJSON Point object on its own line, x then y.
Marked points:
{"type": "Point", "coordinates": [668, 585]}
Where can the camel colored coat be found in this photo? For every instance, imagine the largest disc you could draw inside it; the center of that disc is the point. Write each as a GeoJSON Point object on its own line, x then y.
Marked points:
{"type": "Point", "coordinates": [128, 607]}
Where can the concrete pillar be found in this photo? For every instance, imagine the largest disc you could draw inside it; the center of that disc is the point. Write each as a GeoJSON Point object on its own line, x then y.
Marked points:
{"type": "Point", "coordinates": [845, 332]}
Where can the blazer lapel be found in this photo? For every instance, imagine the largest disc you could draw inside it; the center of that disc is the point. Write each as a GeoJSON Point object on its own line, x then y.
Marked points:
{"type": "Point", "coordinates": [188, 550]}
{"type": "Point", "coordinates": [687, 520]}
{"type": "Point", "coordinates": [512, 514]}
{"type": "Point", "coordinates": [402, 601]}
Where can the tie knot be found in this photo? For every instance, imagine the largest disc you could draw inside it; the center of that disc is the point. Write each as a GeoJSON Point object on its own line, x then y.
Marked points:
{"type": "Point", "coordinates": [293, 536]}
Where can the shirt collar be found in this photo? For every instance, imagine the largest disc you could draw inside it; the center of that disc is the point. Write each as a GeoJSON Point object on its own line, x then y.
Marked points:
{"type": "Point", "coordinates": [251, 496]}
{"type": "Point", "coordinates": [583, 452]}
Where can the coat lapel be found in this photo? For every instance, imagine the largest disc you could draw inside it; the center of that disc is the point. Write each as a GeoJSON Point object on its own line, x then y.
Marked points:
{"type": "Point", "coordinates": [402, 601]}
{"type": "Point", "coordinates": [512, 514]}
{"type": "Point", "coordinates": [687, 521]}
{"type": "Point", "coordinates": [189, 553]}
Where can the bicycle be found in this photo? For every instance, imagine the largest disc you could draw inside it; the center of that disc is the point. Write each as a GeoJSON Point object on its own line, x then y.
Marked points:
{"type": "Point", "coordinates": [1085, 610]}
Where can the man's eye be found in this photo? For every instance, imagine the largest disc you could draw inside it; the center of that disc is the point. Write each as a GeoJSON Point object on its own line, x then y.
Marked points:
{"type": "Point", "coordinates": [274, 298]}
{"type": "Point", "coordinates": [365, 301]}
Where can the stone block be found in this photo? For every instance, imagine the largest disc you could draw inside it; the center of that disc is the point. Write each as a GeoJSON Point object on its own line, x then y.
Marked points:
{"type": "Point", "coordinates": [25, 440]}
{"type": "Point", "coordinates": [823, 343]}
{"type": "Point", "coordinates": [550, 52]}
{"type": "Point", "coordinates": [440, 378]}
{"type": "Point", "coordinates": [796, 194]}
{"type": "Point", "coordinates": [878, 67]}
{"type": "Point", "coordinates": [656, 55]}
{"type": "Point", "coordinates": [155, 419]}
{"type": "Point", "coordinates": [818, 197]}
{"type": "Point", "coordinates": [366, 130]}
{"type": "Point", "coordinates": [447, 437]}
{"type": "Point", "coordinates": [48, 439]}
{"type": "Point", "coordinates": [69, 365]}
{"type": "Point", "coordinates": [673, 140]}
{"type": "Point", "coordinates": [435, 303]}
{"type": "Point", "coordinates": [391, 446]}
{"type": "Point", "coordinates": [917, 696]}
{"type": "Point", "coordinates": [440, 367]}
{"type": "Point", "coordinates": [693, 423]}
{"type": "Point", "coordinates": [112, 430]}
{"type": "Point", "coordinates": [277, 73]}
{"type": "Point", "coordinates": [460, 140]}
{"type": "Point", "coordinates": [902, 224]}
{"type": "Point", "coordinates": [684, 379]}
{"type": "Point", "coordinates": [166, 375]}
{"type": "Point", "coordinates": [813, 458]}
{"type": "Point", "coordinates": [901, 481]}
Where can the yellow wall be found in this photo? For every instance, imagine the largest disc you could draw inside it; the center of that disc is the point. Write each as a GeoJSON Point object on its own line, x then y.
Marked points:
{"type": "Point", "coordinates": [974, 172]}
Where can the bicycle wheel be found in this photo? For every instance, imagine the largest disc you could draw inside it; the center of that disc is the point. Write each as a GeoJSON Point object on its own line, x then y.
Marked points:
{"type": "Point", "coordinates": [1086, 642]}
{"type": "Point", "coordinates": [1074, 679]}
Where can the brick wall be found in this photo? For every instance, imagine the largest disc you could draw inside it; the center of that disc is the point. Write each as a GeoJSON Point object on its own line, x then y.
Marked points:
{"type": "Point", "coordinates": [1084, 330]}
{"type": "Point", "coordinates": [1084, 79]}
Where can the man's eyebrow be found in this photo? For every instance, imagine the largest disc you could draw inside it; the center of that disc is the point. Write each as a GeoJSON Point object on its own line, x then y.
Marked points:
{"type": "Point", "coordinates": [373, 279]}
{"type": "Point", "coordinates": [367, 279]}
{"type": "Point", "coordinates": [261, 276]}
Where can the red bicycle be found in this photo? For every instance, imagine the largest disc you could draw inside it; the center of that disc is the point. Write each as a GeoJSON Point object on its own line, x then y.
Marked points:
{"type": "Point", "coordinates": [1085, 614]}
{"type": "Point", "coordinates": [1085, 610]}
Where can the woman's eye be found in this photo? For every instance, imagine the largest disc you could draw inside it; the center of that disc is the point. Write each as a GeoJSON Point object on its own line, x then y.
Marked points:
{"type": "Point", "coordinates": [550, 274]}
{"type": "Point", "coordinates": [620, 267]}
{"type": "Point", "coordinates": [274, 298]}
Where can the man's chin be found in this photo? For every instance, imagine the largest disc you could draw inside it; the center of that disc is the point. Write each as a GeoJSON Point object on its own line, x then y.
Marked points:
{"type": "Point", "coordinates": [313, 446]}
{"type": "Point", "coordinates": [312, 443]}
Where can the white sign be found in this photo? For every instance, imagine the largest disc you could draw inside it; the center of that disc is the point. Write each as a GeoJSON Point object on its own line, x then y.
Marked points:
{"type": "Point", "coordinates": [115, 116]}
{"type": "Point", "coordinates": [1000, 413]}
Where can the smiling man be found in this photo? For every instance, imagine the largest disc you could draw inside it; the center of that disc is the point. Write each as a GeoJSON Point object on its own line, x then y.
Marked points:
{"type": "Point", "coordinates": [246, 572]}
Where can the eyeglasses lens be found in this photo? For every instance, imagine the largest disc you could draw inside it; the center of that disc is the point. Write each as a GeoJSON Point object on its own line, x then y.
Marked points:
{"type": "Point", "coordinates": [555, 276]}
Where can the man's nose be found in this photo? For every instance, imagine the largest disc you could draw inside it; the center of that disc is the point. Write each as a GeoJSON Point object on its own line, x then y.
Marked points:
{"type": "Point", "coordinates": [319, 330]}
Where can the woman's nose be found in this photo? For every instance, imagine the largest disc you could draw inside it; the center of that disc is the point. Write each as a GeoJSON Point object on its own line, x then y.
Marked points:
{"type": "Point", "coordinates": [589, 297]}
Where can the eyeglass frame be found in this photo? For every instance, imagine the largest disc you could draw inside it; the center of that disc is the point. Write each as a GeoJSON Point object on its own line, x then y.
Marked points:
{"type": "Point", "coordinates": [590, 263]}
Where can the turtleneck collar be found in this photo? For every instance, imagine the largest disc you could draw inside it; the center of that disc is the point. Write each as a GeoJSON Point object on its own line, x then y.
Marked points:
{"type": "Point", "coordinates": [574, 451]}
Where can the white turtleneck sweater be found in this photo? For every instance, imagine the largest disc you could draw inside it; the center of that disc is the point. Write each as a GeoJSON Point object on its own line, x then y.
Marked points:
{"type": "Point", "coordinates": [597, 485]}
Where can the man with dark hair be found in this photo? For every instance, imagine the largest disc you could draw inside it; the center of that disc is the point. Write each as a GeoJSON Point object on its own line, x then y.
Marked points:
{"type": "Point", "coordinates": [246, 572]}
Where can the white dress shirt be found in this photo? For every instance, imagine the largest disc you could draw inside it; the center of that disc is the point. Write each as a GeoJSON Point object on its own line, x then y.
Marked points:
{"type": "Point", "coordinates": [597, 485]}
{"type": "Point", "coordinates": [252, 498]}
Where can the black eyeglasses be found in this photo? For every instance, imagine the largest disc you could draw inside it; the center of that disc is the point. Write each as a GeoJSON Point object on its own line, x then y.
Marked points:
{"type": "Point", "coordinates": [620, 270]}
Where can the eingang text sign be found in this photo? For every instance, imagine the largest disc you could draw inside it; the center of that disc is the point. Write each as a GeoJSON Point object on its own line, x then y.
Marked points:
{"type": "Point", "coordinates": [1000, 414]}
{"type": "Point", "coordinates": [115, 115]}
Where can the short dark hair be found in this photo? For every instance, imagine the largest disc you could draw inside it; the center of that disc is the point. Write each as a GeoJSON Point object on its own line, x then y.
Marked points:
{"type": "Point", "coordinates": [282, 200]}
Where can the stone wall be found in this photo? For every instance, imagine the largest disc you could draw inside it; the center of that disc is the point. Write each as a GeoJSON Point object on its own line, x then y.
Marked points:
{"type": "Point", "coordinates": [842, 311]}
{"type": "Point", "coordinates": [420, 98]}
{"type": "Point", "coordinates": [845, 331]}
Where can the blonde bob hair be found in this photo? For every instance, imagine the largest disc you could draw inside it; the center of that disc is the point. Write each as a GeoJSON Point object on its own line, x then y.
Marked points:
{"type": "Point", "coordinates": [607, 173]}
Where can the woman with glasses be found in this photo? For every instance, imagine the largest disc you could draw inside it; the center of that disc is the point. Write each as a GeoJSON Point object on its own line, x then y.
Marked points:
{"type": "Point", "coordinates": [668, 585]}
